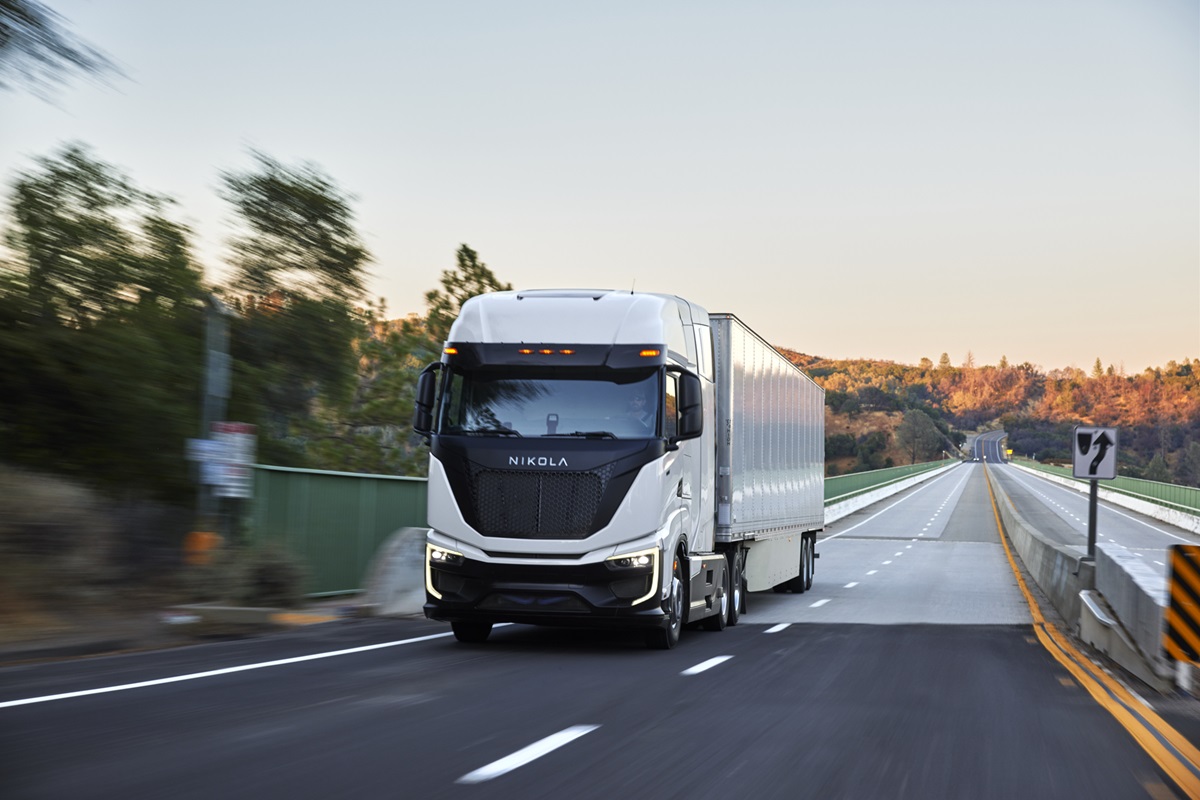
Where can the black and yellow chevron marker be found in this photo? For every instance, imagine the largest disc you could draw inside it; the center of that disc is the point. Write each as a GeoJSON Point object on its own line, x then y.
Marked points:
{"type": "Point", "coordinates": [1181, 639]}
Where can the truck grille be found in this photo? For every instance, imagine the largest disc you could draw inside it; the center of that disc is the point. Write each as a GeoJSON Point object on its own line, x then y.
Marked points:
{"type": "Point", "coordinates": [520, 504]}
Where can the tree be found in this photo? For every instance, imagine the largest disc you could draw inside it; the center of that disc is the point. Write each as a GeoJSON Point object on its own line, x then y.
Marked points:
{"type": "Point", "coordinates": [1097, 369]}
{"type": "Point", "coordinates": [944, 361]}
{"type": "Point", "coordinates": [300, 237]}
{"type": "Point", "coordinates": [299, 266]}
{"type": "Point", "coordinates": [1157, 469]}
{"type": "Point", "coordinates": [100, 329]}
{"type": "Point", "coordinates": [918, 435]}
{"type": "Point", "coordinates": [76, 252]}
{"type": "Point", "coordinates": [1187, 470]}
{"type": "Point", "coordinates": [471, 277]}
{"type": "Point", "coordinates": [37, 50]}
{"type": "Point", "coordinates": [1003, 362]}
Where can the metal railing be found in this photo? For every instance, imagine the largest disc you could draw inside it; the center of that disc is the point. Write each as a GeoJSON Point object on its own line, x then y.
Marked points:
{"type": "Point", "coordinates": [332, 522]}
{"type": "Point", "coordinates": [843, 487]}
{"type": "Point", "coordinates": [1182, 498]}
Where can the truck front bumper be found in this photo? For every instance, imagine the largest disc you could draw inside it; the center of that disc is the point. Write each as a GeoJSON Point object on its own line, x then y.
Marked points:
{"type": "Point", "coordinates": [585, 595]}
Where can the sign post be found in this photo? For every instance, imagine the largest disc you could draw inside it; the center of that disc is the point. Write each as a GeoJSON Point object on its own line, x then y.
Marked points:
{"type": "Point", "coordinates": [1094, 458]}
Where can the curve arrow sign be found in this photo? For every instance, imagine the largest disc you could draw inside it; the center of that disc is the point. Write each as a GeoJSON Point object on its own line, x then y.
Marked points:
{"type": "Point", "coordinates": [1103, 442]}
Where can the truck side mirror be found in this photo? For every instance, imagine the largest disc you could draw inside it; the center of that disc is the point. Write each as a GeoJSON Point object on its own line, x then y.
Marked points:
{"type": "Point", "coordinates": [691, 407]}
{"type": "Point", "coordinates": [426, 395]}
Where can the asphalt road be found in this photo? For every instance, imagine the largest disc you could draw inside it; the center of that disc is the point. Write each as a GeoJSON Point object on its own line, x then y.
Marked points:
{"type": "Point", "coordinates": [911, 669]}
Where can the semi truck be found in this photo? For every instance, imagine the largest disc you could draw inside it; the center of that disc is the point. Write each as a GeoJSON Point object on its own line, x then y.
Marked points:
{"type": "Point", "coordinates": [614, 458]}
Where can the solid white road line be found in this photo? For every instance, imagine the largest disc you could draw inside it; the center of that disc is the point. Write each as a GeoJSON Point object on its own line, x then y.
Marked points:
{"type": "Point", "coordinates": [703, 665]}
{"type": "Point", "coordinates": [527, 754]}
{"type": "Point", "coordinates": [212, 673]}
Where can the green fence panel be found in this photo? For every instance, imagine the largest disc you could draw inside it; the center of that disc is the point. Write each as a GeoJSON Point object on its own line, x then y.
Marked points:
{"type": "Point", "coordinates": [843, 487]}
{"type": "Point", "coordinates": [333, 522]}
{"type": "Point", "coordinates": [1182, 498]}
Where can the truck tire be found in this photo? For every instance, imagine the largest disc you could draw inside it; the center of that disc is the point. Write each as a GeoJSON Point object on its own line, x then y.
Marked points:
{"type": "Point", "coordinates": [812, 561]}
{"type": "Point", "coordinates": [719, 620]}
{"type": "Point", "coordinates": [668, 637]}
{"type": "Point", "coordinates": [738, 594]}
{"type": "Point", "coordinates": [801, 582]}
{"type": "Point", "coordinates": [471, 632]}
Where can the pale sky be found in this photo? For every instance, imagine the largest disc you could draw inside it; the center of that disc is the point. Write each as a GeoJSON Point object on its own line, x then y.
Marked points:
{"type": "Point", "coordinates": [866, 179]}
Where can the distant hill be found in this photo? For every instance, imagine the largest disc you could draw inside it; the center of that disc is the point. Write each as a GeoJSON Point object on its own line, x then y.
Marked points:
{"type": "Point", "coordinates": [1157, 410]}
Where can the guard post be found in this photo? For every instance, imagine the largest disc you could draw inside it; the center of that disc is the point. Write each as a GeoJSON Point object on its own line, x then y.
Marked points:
{"type": "Point", "coordinates": [1181, 638]}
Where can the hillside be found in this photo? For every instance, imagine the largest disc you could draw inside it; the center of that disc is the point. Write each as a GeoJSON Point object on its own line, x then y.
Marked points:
{"type": "Point", "coordinates": [1157, 410]}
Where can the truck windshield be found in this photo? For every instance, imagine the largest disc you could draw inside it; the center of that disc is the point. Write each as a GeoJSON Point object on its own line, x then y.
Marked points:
{"type": "Point", "coordinates": [488, 404]}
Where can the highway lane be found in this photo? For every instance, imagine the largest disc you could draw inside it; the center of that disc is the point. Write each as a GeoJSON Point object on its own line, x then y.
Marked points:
{"type": "Point", "coordinates": [922, 679]}
{"type": "Point", "coordinates": [1062, 513]}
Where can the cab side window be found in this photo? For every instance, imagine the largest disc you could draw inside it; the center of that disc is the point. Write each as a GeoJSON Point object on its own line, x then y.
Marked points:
{"type": "Point", "coordinates": [671, 415]}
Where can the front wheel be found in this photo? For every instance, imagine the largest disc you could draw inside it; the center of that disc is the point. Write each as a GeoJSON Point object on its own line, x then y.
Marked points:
{"type": "Point", "coordinates": [718, 621]}
{"type": "Point", "coordinates": [668, 637]}
{"type": "Point", "coordinates": [470, 631]}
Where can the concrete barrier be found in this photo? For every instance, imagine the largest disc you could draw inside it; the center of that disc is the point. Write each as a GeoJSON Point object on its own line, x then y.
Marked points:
{"type": "Point", "coordinates": [1138, 595]}
{"type": "Point", "coordinates": [1085, 593]}
{"type": "Point", "coordinates": [395, 581]}
{"type": "Point", "coordinates": [1058, 569]}
{"type": "Point", "coordinates": [847, 507]}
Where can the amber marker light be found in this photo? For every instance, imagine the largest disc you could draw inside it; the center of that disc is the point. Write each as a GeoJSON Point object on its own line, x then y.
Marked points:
{"type": "Point", "coordinates": [525, 351]}
{"type": "Point", "coordinates": [546, 352]}
{"type": "Point", "coordinates": [451, 351]}
{"type": "Point", "coordinates": [650, 353]}
{"type": "Point", "coordinates": [567, 352]}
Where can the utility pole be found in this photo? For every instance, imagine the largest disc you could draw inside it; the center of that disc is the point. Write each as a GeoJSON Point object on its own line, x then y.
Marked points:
{"type": "Point", "coordinates": [215, 397]}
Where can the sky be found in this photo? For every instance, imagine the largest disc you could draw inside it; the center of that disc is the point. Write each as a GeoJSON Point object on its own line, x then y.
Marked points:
{"type": "Point", "coordinates": [862, 179]}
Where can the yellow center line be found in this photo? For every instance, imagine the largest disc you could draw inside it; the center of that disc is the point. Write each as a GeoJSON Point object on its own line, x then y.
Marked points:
{"type": "Point", "coordinates": [1181, 765]}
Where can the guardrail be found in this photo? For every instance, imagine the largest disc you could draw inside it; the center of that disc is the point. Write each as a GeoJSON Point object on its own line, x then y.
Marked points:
{"type": "Point", "coordinates": [842, 487]}
{"type": "Point", "coordinates": [1181, 498]}
{"type": "Point", "coordinates": [332, 522]}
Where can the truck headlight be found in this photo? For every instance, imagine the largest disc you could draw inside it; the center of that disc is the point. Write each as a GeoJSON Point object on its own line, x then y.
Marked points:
{"type": "Point", "coordinates": [639, 561]}
{"type": "Point", "coordinates": [438, 556]}
{"type": "Point", "coordinates": [642, 558]}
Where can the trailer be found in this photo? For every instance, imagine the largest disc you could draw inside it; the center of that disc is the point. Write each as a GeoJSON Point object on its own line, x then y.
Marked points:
{"type": "Point", "coordinates": [606, 458]}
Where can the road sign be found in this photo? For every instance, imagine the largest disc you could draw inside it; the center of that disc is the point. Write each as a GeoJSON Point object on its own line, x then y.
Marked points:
{"type": "Point", "coordinates": [1094, 453]}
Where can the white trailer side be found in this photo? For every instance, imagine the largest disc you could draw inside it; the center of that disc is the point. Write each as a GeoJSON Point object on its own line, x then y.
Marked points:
{"type": "Point", "coordinates": [770, 455]}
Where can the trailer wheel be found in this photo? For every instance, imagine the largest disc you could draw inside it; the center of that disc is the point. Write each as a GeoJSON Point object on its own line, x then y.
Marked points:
{"type": "Point", "coordinates": [801, 582]}
{"type": "Point", "coordinates": [668, 637]}
{"type": "Point", "coordinates": [718, 620]}
{"type": "Point", "coordinates": [738, 594]}
{"type": "Point", "coordinates": [470, 631]}
{"type": "Point", "coordinates": [812, 561]}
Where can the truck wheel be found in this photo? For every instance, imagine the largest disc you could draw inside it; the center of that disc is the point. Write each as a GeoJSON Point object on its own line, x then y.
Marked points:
{"type": "Point", "coordinates": [718, 620]}
{"type": "Point", "coordinates": [470, 631]}
{"type": "Point", "coordinates": [737, 595]}
{"type": "Point", "coordinates": [799, 583]}
{"type": "Point", "coordinates": [668, 637]}
{"type": "Point", "coordinates": [812, 561]}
